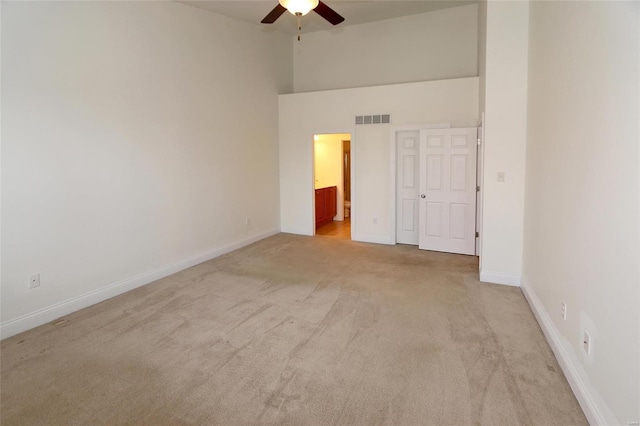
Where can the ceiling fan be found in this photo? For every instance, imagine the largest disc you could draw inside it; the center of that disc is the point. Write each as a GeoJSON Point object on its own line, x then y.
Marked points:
{"type": "Point", "coordinates": [300, 8]}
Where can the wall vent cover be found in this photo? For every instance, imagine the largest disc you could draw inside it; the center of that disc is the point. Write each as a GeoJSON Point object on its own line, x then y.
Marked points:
{"type": "Point", "coordinates": [373, 119]}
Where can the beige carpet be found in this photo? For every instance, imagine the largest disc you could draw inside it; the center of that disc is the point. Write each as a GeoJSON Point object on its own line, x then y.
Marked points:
{"type": "Point", "coordinates": [300, 331]}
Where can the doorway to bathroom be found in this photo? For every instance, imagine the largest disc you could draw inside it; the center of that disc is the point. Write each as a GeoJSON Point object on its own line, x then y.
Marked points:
{"type": "Point", "coordinates": [332, 184]}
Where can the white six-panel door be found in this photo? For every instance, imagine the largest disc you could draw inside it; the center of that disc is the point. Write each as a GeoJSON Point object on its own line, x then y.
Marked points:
{"type": "Point", "coordinates": [447, 186]}
{"type": "Point", "coordinates": [407, 150]}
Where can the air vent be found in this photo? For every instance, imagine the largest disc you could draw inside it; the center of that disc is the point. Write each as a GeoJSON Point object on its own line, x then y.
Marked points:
{"type": "Point", "coordinates": [373, 119]}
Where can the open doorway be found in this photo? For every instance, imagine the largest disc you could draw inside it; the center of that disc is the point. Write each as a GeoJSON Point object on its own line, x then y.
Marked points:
{"type": "Point", "coordinates": [332, 184]}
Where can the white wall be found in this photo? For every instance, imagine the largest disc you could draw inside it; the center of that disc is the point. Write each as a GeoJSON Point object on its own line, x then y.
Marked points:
{"type": "Point", "coordinates": [482, 51]}
{"type": "Point", "coordinates": [582, 231]}
{"type": "Point", "coordinates": [136, 139]}
{"type": "Point", "coordinates": [429, 46]}
{"type": "Point", "coordinates": [305, 114]}
{"type": "Point", "coordinates": [329, 165]}
{"type": "Point", "coordinates": [505, 141]}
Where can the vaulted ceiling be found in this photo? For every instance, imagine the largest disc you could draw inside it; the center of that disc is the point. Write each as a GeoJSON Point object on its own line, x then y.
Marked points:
{"type": "Point", "coordinates": [354, 12]}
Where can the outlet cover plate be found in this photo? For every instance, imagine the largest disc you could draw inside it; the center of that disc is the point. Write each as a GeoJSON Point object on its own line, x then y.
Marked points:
{"type": "Point", "coordinates": [34, 281]}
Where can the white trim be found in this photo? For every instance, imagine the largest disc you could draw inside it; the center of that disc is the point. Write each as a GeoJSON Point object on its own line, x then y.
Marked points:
{"type": "Point", "coordinates": [354, 205]}
{"type": "Point", "coordinates": [373, 239]}
{"type": "Point", "coordinates": [50, 313]}
{"type": "Point", "coordinates": [480, 196]}
{"type": "Point", "coordinates": [296, 231]}
{"type": "Point", "coordinates": [579, 387]}
{"type": "Point", "coordinates": [497, 278]}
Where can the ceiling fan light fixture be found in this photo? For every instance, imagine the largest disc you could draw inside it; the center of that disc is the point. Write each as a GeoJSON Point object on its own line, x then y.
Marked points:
{"type": "Point", "coordinates": [301, 7]}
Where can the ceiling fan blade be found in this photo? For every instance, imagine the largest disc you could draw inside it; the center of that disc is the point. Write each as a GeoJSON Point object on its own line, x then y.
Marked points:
{"type": "Point", "coordinates": [327, 13]}
{"type": "Point", "coordinates": [274, 14]}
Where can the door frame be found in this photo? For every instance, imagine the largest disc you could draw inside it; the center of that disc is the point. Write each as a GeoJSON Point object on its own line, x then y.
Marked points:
{"type": "Point", "coordinates": [393, 177]}
{"type": "Point", "coordinates": [480, 183]}
{"type": "Point", "coordinates": [311, 160]}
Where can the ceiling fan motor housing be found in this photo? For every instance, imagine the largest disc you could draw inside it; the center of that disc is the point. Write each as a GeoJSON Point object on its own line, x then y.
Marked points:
{"type": "Point", "coordinates": [301, 7]}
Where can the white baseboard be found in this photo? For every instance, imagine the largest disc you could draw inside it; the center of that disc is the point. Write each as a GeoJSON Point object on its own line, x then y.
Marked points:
{"type": "Point", "coordinates": [373, 239]}
{"type": "Point", "coordinates": [296, 231]}
{"type": "Point", "coordinates": [50, 313]}
{"type": "Point", "coordinates": [580, 389]}
{"type": "Point", "coordinates": [496, 278]}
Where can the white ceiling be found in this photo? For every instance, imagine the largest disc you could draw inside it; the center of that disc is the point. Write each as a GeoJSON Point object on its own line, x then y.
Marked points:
{"type": "Point", "coordinates": [354, 12]}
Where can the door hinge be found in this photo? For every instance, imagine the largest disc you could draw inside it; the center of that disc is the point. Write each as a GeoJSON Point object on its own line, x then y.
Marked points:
{"type": "Point", "coordinates": [477, 189]}
{"type": "Point", "coordinates": [479, 141]}
{"type": "Point", "coordinates": [477, 234]}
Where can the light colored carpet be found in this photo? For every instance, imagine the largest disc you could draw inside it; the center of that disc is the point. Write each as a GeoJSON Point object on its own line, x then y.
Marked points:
{"type": "Point", "coordinates": [301, 331]}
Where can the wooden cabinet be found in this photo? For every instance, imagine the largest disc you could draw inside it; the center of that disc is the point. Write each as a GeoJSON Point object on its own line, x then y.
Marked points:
{"type": "Point", "coordinates": [326, 204]}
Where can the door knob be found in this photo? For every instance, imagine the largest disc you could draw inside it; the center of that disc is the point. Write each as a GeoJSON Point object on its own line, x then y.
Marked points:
{"type": "Point", "coordinates": [423, 196]}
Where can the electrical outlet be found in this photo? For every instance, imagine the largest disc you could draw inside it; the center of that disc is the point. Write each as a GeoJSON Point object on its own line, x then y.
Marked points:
{"type": "Point", "coordinates": [586, 343]}
{"type": "Point", "coordinates": [563, 311]}
{"type": "Point", "coordinates": [34, 281]}
{"type": "Point", "coordinates": [500, 176]}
